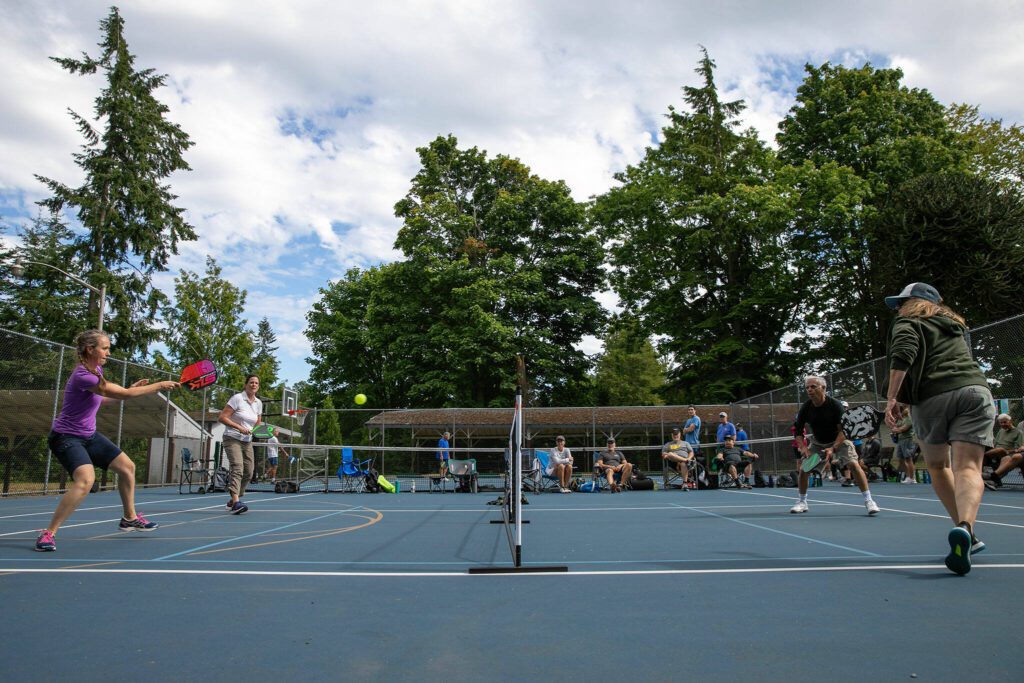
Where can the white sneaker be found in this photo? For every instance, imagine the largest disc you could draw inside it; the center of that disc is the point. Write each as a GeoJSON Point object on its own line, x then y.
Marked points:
{"type": "Point", "coordinates": [907, 480]}
{"type": "Point", "coordinates": [872, 507]}
{"type": "Point", "coordinates": [800, 506]}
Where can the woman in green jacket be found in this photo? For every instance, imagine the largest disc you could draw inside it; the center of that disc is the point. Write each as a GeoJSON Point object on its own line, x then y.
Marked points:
{"type": "Point", "coordinates": [931, 369]}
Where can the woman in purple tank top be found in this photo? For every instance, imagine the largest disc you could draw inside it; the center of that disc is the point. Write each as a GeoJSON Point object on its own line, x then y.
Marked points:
{"type": "Point", "coordinates": [75, 442]}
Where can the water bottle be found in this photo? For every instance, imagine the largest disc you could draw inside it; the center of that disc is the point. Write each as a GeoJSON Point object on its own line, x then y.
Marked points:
{"type": "Point", "coordinates": [927, 477]}
{"type": "Point", "coordinates": [414, 486]}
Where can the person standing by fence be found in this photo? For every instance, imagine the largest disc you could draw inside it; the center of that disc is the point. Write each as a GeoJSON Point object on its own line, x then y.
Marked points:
{"type": "Point", "coordinates": [79, 447]}
{"type": "Point", "coordinates": [931, 369]}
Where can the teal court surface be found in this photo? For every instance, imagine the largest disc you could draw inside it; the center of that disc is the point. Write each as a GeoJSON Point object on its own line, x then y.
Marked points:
{"type": "Point", "coordinates": [717, 585]}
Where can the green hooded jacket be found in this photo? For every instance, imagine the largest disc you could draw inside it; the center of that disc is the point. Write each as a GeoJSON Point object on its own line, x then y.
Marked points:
{"type": "Point", "coordinates": [935, 354]}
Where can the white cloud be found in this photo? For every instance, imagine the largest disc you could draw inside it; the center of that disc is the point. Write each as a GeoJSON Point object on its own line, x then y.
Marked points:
{"type": "Point", "coordinates": [306, 115]}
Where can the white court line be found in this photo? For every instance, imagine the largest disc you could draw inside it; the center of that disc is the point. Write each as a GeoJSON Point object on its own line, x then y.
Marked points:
{"type": "Point", "coordinates": [595, 572]}
{"type": "Point", "coordinates": [904, 512]}
{"type": "Point", "coordinates": [215, 506]}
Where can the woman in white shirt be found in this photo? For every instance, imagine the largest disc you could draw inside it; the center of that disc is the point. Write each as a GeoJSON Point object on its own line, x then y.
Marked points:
{"type": "Point", "coordinates": [561, 465]}
{"type": "Point", "coordinates": [240, 415]}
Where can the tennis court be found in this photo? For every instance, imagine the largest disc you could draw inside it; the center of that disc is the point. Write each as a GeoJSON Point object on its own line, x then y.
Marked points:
{"type": "Point", "coordinates": [664, 585]}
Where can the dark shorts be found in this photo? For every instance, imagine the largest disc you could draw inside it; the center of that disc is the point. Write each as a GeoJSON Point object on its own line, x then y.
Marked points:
{"type": "Point", "coordinates": [739, 464]}
{"type": "Point", "coordinates": [74, 451]}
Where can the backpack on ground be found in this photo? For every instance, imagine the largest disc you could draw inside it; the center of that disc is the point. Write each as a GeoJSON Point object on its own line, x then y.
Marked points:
{"type": "Point", "coordinates": [592, 486]}
{"type": "Point", "coordinates": [221, 477]}
{"type": "Point", "coordinates": [371, 483]}
{"type": "Point", "coordinates": [759, 482]}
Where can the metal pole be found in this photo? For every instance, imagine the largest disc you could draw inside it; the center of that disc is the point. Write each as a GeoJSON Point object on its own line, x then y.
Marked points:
{"type": "Point", "coordinates": [103, 300]}
{"type": "Point", "coordinates": [56, 394]}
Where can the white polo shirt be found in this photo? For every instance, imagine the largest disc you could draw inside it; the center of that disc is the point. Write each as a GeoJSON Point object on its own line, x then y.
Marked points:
{"type": "Point", "coordinates": [246, 413]}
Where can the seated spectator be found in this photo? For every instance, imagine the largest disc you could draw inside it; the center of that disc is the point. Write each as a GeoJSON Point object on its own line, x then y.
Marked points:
{"type": "Point", "coordinates": [906, 447]}
{"type": "Point", "coordinates": [871, 456]}
{"type": "Point", "coordinates": [678, 454]}
{"type": "Point", "coordinates": [1008, 448]}
{"type": "Point", "coordinates": [732, 459]}
{"type": "Point", "coordinates": [560, 465]}
{"type": "Point", "coordinates": [613, 462]}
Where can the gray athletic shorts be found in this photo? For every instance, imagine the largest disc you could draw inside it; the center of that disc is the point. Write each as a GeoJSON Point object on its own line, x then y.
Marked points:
{"type": "Point", "coordinates": [965, 414]}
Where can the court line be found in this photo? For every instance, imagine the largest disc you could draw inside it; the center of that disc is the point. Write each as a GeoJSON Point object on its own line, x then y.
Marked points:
{"type": "Point", "coordinates": [153, 514]}
{"type": "Point", "coordinates": [244, 536]}
{"type": "Point", "coordinates": [595, 572]}
{"type": "Point", "coordinates": [979, 521]}
{"type": "Point", "coordinates": [784, 533]}
{"type": "Point", "coordinates": [370, 521]}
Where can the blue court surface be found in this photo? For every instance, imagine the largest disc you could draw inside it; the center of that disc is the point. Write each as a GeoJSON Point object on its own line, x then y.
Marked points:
{"type": "Point", "coordinates": [721, 585]}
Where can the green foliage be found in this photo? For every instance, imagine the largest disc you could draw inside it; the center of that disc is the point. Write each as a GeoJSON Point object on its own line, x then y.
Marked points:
{"type": "Point", "coordinates": [124, 202]}
{"type": "Point", "coordinates": [206, 322]}
{"type": "Point", "coordinates": [499, 263]}
{"type": "Point", "coordinates": [861, 140]}
{"type": "Point", "coordinates": [629, 372]}
{"type": "Point", "coordinates": [264, 361]}
{"type": "Point", "coordinates": [328, 427]}
{"type": "Point", "coordinates": [699, 249]}
{"type": "Point", "coordinates": [43, 302]}
{"type": "Point", "coordinates": [995, 151]}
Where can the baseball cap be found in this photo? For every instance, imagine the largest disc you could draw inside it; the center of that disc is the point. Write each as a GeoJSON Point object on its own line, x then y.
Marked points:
{"type": "Point", "coordinates": [676, 429]}
{"type": "Point", "coordinates": [918, 290]}
{"type": "Point", "coordinates": [723, 415]}
{"type": "Point", "coordinates": [611, 440]}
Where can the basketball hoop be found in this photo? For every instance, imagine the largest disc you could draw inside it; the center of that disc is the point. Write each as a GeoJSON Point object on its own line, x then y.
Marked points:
{"type": "Point", "coordinates": [299, 415]}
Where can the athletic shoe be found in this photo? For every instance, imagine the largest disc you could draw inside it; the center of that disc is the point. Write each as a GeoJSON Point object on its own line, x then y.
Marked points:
{"type": "Point", "coordinates": [994, 482]}
{"type": "Point", "coordinates": [800, 506]}
{"type": "Point", "coordinates": [140, 523]}
{"type": "Point", "coordinates": [848, 482]}
{"type": "Point", "coordinates": [977, 545]}
{"type": "Point", "coordinates": [238, 508]}
{"type": "Point", "coordinates": [907, 480]}
{"type": "Point", "coordinates": [958, 560]}
{"type": "Point", "coordinates": [230, 505]}
{"type": "Point", "coordinates": [44, 543]}
{"type": "Point", "coordinates": [991, 486]}
{"type": "Point", "coordinates": [872, 507]}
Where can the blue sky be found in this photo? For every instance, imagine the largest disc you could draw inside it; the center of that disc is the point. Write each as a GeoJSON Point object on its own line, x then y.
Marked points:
{"type": "Point", "coordinates": [307, 115]}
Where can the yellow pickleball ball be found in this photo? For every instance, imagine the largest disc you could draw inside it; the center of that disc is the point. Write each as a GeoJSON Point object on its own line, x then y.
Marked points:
{"type": "Point", "coordinates": [360, 399]}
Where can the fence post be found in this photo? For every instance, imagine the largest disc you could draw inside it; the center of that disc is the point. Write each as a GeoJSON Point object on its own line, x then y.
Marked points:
{"type": "Point", "coordinates": [56, 395]}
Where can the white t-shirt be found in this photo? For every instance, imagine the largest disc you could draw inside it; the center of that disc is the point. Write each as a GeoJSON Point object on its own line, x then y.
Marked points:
{"type": "Point", "coordinates": [557, 458]}
{"type": "Point", "coordinates": [246, 414]}
{"type": "Point", "coordinates": [272, 444]}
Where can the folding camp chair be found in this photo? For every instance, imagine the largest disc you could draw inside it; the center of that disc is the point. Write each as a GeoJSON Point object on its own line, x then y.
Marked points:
{"type": "Point", "coordinates": [465, 475]}
{"type": "Point", "coordinates": [192, 472]}
{"type": "Point", "coordinates": [352, 472]}
{"type": "Point", "coordinates": [544, 481]}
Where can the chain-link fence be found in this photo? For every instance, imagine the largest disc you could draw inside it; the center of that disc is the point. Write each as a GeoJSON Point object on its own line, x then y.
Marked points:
{"type": "Point", "coordinates": [998, 348]}
{"type": "Point", "coordinates": [152, 430]}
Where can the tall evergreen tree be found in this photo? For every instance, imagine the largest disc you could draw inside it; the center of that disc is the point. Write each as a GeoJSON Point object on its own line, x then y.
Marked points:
{"type": "Point", "coordinates": [698, 249]}
{"type": "Point", "coordinates": [42, 301]}
{"type": "Point", "coordinates": [124, 203]}
{"type": "Point", "coordinates": [264, 361]}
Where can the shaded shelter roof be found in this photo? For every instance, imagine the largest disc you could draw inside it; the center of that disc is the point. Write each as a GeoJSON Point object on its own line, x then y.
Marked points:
{"type": "Point", "coordinates": [30, 412]}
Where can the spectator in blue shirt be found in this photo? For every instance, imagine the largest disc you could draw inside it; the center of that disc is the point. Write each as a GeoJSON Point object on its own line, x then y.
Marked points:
{"type": "Point", "coordinates": [741, 437]}
{"type": "Point", "coordinates": [725, 428]}
{"type": "Point", "coordinates": [691, 428]}
{"type": "Point", "coordinates": [442, 452]}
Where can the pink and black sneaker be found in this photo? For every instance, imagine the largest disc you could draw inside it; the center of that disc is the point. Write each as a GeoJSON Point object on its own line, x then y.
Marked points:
{"type": "Point", "coordinates": [140, 523]}
{"type": "Point", "coordinates": [44, 543]}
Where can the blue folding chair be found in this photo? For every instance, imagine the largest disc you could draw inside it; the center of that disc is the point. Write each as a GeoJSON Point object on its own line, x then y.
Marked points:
{"type": "Point", "coordinates": [352, 472]}
{"type": "Point", "coordinates": [545, 481]}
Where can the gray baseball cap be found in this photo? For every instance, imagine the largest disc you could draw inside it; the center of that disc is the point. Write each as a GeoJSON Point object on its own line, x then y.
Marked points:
{"type": "Point", "coordinates": [918, 290]}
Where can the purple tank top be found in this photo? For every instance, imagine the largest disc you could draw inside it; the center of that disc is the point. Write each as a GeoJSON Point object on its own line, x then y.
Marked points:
{"type": "Point", "coordinates": [78, 414]}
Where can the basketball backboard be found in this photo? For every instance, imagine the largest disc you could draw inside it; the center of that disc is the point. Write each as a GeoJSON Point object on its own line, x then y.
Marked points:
{"type": "Point", "coordinates": [289, 399]}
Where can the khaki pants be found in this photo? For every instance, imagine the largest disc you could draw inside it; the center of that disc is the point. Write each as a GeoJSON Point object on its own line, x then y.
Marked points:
{"type": "Point", "coordinates": [240, 459]}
